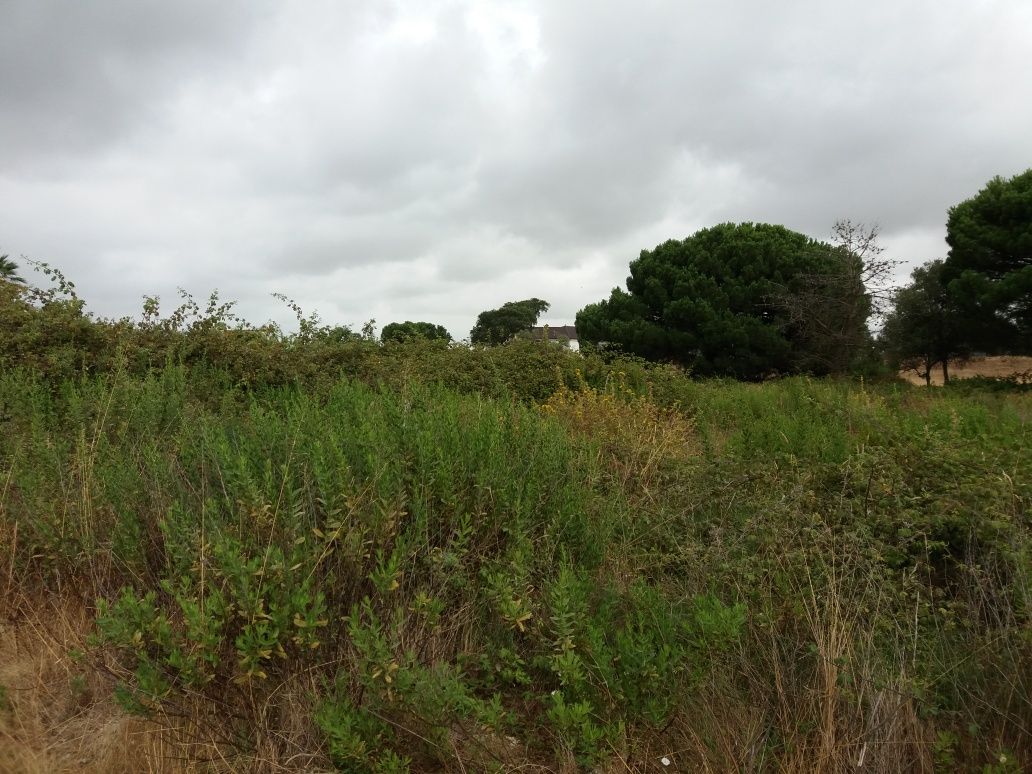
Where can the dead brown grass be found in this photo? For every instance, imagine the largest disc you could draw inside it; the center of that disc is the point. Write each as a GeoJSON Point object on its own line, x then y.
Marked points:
{"type": "Point", "coordinates": [998, 366]}
{"type": "Point", "coordinates": [59, 713]}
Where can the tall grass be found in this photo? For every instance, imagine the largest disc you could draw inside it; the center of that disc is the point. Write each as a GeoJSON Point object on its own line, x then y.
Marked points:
{"type": "Point", "coordinates": [421, 557]}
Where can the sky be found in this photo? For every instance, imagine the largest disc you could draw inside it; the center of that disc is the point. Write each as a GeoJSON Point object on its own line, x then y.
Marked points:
{"type": "Point", "coordinates": [430, 160]}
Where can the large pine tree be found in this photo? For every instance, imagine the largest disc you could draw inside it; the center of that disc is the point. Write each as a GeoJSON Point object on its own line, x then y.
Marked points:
{"type": "Point", "coordinates": [989, 266]}
{"type": "Point", "coordinates": [716, 301]}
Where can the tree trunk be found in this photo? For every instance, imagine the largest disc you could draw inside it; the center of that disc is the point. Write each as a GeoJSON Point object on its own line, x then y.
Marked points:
{"type": "Point", "coordinates": [945, 371]}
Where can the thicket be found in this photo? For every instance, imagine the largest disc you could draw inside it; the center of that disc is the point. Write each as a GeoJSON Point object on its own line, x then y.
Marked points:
{"type": "Point", "coordinates": [50, 332]}
{"type": "Point", "coordinates": [314, 550]}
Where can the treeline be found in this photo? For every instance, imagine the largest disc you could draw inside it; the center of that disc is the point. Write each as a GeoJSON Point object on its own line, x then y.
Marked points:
{"type": "Point", "coordinates": [750, 300]}
{"type": "Point", "coordinates": [48, 333]}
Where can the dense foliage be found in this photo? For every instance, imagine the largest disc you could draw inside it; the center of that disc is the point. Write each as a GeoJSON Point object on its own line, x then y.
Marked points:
{"type": "Point", "coordinates": [989, 267]}
{"type": "Point", "coordinates": [407, 330]}
{"type": "Point", "coordinates": [50, 333]}
{"type": "Point", "coordinates": [926, 327]}
{"type": "Point", "coordinates": [722, 302]}
{"type": "Point", "coordinates": [315, 550]}
{"type": "Point", "coordinates": [497, 326]}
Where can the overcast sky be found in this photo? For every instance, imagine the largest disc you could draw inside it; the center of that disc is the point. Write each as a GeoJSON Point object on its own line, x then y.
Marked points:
{"type": "Point", "coordinates": [429, 160]}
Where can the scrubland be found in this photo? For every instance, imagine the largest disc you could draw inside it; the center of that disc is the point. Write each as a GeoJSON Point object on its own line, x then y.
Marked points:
{"type": "Point", "coordinates": [238, 551]}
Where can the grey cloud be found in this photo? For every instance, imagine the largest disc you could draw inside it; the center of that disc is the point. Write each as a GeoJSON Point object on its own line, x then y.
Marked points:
{"type": "Point", "coordinates": [824, 101]}
{"type": "Point", "coordinates": [77, 75]}
{"type": "Point", "coordinates": [434, 159]}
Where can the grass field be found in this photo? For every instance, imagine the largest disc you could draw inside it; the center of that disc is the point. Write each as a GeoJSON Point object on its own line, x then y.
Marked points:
{"type": "Point", "coordinates": [380, 572]}
{"type": "Point", "coordinates": [994, 367]}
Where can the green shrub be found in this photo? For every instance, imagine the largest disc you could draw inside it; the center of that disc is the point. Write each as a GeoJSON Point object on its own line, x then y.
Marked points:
{"type": "Point", "coordinates": [434, 550]}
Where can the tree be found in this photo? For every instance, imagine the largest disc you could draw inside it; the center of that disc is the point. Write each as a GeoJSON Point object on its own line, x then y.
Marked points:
{"type": "Point", "coordinates": [716, 301]}
{"type": "Point", "coordinates": [925, 328]}
{"type": "Point", "coordinates": [830, 309]}
{"type": "Point", "coordinates": [9, 271]}
{"type": "Point", "coordinates": [408, 330]}
{"type": "Point", "coordinates": [496, 326]}
{"type": "Point", "coordinates": [989, 266]}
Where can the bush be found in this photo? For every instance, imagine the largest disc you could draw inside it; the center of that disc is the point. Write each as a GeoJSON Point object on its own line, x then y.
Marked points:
{"type": "Point", "coordinates": [401, 557]}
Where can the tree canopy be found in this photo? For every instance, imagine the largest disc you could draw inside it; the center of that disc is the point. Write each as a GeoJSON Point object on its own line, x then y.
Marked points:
{"type": "Point", "coordinates": [400, 331]}
{"type": "Point", "coordinates": [828, 311]}
{"type": "Point", "coordinates": [496, 326]}
{"type": "Point", "coordinates": [717, 301]}
{"type": "Point", "coordinates": [989, 266]}
{"type": "Point", "coordinates": [925, 328]}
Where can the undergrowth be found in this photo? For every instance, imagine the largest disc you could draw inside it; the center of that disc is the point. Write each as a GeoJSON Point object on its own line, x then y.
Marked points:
{"type": "Point", "coordinates": [421, 557]}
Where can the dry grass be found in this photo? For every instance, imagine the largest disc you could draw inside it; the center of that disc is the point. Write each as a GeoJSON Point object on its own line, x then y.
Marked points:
{"type": "Point", "coordinates": [998, 366]}
{"type": "Point", "coordinates": [58, 710]}
{"type": "Point", "coordinates": [636, 437]}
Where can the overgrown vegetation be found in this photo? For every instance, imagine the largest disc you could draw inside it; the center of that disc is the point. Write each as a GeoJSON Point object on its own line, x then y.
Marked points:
{"type": "Point", "coordinates": [315, 550]}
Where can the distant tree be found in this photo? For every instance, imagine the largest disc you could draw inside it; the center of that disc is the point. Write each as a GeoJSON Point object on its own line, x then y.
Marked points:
{"type": "Point", "coordinates": [989, 266]}
{"type": "Point", "coordinates": [335, 334]}
{"type": "Point", "coordinates": [9, 271]}
{"type": "Point", "coordinates": [925, 328]}
{"type": "Point", "coordinates": [408, 330]}
{"type": "Point", "coordinates": [717, 302]}
{"type": "Point", "coordinates": [496, 326]}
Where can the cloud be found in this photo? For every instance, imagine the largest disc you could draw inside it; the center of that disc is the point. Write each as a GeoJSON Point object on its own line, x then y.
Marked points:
{"type": "Point", "coordinates": [76, 77]}
{"type": "Point", "coordinates": [430, 160]}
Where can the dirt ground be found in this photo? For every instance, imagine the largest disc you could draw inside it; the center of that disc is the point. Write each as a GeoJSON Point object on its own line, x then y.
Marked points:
{"type": "Point", "coordinates": [1001, 365]}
